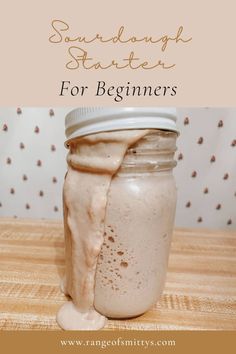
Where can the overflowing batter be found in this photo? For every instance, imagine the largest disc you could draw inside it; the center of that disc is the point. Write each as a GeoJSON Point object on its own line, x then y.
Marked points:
{"type": "Point", "coordinates": [92, 161]}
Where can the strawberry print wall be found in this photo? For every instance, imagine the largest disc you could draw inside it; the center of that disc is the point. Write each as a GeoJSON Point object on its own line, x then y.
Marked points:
{"type": "Point", "coordinates": [206, 171]}
{"type": "Point", "coordinates": [33, 165]}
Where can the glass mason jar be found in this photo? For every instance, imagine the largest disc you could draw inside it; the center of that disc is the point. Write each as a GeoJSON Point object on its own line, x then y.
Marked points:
{"type": "Point", "coordinates": [119, 200]}
{"type": "Point", "coordinates": [139, 220]}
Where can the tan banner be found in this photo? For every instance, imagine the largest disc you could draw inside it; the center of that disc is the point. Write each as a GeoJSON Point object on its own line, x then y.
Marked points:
{"type": "Point", "coordinates": [128, 53]}
{"type": "Point", "coordinates": [117, 342]}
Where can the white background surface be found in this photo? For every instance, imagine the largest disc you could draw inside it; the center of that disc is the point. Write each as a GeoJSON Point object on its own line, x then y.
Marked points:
{"type": "Point", "coordinates": [42, 136]}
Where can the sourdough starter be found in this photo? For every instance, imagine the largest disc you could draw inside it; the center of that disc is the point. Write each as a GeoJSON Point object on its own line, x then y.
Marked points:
{"type": "Point", "coordinates": [92, 161]}
{"type": "Point", "coordinates": [118, 226]}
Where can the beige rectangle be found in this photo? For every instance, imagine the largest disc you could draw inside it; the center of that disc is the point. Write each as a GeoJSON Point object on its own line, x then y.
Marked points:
{"type": "Point", "coordinates": [32, 67]}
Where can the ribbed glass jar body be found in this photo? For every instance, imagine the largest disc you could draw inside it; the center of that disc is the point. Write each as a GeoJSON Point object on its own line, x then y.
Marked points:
{"type": "Point", "coordinates": [139, 221]}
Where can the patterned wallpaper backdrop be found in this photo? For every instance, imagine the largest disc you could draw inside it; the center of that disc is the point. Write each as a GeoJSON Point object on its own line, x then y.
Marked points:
{"type": "Point", "coordinates": [32, 160]}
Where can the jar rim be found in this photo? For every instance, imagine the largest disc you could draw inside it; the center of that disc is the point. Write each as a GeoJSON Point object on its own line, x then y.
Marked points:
{"type": "Point", "coordinates": [90, 120]}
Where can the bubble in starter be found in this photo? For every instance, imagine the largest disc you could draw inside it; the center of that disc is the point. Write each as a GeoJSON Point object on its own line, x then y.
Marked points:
{"type": "Point", "coordinates": [124, 264]}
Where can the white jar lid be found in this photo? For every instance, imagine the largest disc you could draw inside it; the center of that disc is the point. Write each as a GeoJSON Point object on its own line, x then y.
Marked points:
{"type": "Point", "coordinates": [89, 120]}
